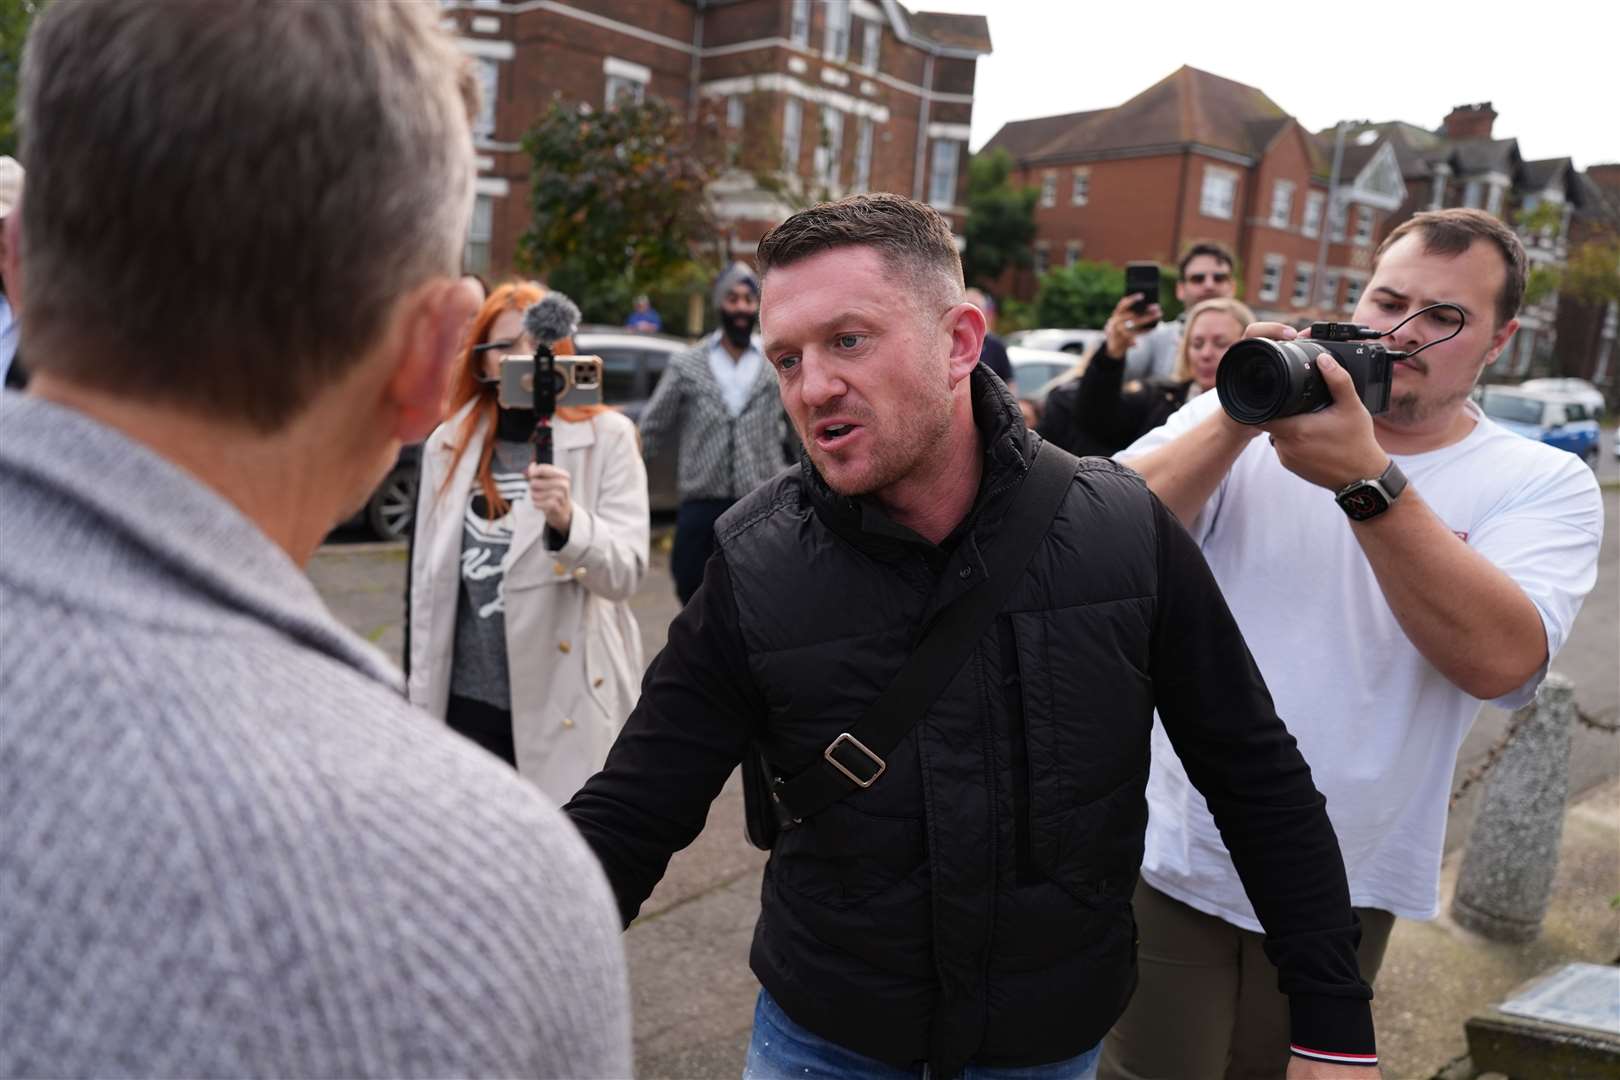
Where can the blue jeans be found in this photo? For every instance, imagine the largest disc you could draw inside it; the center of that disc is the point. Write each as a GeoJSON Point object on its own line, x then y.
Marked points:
{"type": "Point", "coordinates": [782, 1050]}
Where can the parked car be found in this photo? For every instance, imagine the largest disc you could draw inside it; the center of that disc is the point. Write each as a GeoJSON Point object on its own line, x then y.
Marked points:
{"type": "Point", "coordinates": [632, 364]}
{"type": "Point", "coordinates": [1034, 370]}
{"type": "Point", "coordinates": [1574, 389]}
{"type": "Point", "coordinates": [1069, 341]}
{"type": "Point", "coordinates": [1556, 419]}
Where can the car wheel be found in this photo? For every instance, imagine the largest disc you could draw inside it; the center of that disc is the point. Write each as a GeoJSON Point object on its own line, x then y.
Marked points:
{"type": "Point", "coordinates": [393, 504]}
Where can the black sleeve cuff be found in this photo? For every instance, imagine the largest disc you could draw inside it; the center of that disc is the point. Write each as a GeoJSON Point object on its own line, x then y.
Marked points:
{"type": "Point", "coordinates": [1332, 1029]}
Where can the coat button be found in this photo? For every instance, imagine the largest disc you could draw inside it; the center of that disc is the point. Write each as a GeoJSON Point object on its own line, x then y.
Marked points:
{"type": "Point", "coordinates": [568, 722]}
{"type": "Point", "coordinates": [579, 572]}
{"type": "Point", "coordinates": [598, 681]}
{"type": "Point", "coordinates": [563, 647]}
{"type": "Point", "coordinates": [967, 572]}
{"type": "Point", "coordinates": [559, 569]}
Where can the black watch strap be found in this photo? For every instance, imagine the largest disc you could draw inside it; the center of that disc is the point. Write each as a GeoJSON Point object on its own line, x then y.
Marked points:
{"type": "Point", "coordinates": [1364, 499]}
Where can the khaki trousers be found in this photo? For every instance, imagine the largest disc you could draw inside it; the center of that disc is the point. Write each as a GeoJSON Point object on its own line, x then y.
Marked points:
{"type": "Point", "coordinates": [1207, 1003]}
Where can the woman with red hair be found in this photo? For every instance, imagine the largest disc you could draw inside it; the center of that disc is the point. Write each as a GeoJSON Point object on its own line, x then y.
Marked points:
{"type": "Point", "coordinates": [519, 630]}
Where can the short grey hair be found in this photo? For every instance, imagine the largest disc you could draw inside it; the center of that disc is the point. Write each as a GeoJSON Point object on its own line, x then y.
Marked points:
{"type": "Point", "coordinates": [227, 198]}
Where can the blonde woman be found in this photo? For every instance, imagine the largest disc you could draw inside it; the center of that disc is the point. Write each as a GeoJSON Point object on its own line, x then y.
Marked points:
{"type": "Point", "coordinates": [1094, 414]}
{"type": "Point", "coordinates": [520, 631]}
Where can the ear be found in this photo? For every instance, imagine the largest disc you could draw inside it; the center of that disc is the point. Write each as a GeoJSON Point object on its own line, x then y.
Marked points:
{"type": "Point", "coordinates": [1181, 291]}
{"type": "Point", "coordinates": [965, 324]}
{"type": "Point", "coordinates": [433, 321]}
{"type": "Point", "coordinates": [1499, 342]}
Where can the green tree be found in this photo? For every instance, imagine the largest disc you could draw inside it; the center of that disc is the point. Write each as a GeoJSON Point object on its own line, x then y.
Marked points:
{"type": "Point", "coordinates": [1000, 219]}
{"type": "Point", "coordinates": [15, 18]}
{"type": "Point", "coordinates": [1081, 295]}
{"type": "Point", "coordinates": [1592, 273]}
{"type": "Point", "coordinates": [618, 203]}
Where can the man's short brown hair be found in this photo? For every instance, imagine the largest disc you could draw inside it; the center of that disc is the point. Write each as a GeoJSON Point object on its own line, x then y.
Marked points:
{"type": "Point", "coordinates": [913, 238]}
{"type": "Point", "coordinates": [227, 199]}
{"type": "Point", "coordinates": [1219, 252]}
{"type": "Point", "coordinates": [1449, 233]}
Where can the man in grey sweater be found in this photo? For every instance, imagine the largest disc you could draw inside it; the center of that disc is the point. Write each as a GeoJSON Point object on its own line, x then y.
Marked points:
{"type": "Point", "coordinates": [228, 847]}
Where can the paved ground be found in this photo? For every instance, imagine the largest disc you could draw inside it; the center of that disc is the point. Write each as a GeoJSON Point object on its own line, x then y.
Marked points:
{"type": "Point", "coordinates": [688, 952]}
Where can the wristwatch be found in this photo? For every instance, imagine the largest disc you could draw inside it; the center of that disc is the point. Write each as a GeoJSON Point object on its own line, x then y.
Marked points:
{"type": "Point", "coordinates": [1363, 499]}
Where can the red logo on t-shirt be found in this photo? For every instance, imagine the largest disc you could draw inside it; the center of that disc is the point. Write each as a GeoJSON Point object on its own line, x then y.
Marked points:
{"type": "Point", "coordinates": [1461, 534]}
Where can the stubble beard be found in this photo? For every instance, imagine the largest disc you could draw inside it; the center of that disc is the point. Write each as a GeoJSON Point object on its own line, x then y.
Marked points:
{"type": "Point", "coordinates": [920, 435]}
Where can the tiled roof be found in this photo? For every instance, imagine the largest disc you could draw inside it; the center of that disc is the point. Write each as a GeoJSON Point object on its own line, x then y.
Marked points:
{"type": "Point", "coordinates": [955, 31]}
{"type": "Point", "coordinates": [1186, 107]}
{"type": "Point", "coordinates": [1021, 138]}
{"type": "Point", "coordinates": [1538, 174]}
{"type": "Point", "coordinates": [1485, 155]}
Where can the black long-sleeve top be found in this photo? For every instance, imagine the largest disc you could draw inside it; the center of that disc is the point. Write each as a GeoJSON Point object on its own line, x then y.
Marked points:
{"type": "Point", "coordinates": [1095, 414]}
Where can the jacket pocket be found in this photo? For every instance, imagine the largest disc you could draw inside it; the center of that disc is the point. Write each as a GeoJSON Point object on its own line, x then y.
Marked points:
{"type": "Point", "coordinates": [1087, 710]}
{"type": "Point", "coordinates": [842, 857]}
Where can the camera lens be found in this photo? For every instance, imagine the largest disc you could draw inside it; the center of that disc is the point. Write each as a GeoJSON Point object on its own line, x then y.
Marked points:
{"type": "Point", "coordinates": [1260, 379]}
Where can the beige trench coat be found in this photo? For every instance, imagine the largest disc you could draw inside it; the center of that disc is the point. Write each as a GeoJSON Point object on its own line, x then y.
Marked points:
{"type": "Point", "coordinates": [573, 648]}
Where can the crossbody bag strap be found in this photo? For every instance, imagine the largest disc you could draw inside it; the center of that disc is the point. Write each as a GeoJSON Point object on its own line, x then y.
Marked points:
{"type": "Point", "coordinates": [855, 759]}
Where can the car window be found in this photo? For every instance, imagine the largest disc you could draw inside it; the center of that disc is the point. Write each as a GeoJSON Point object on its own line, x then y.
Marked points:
{"type": "Point", "coordinates": [619, 369]}
{"type": "Point", "coordinates": [1575, 411]}
{"type": "Point", "coordinates": [1512, 408]}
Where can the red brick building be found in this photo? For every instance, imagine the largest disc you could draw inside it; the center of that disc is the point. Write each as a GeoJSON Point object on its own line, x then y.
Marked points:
{"type": "Point", "coordinates": [831, 97]}
{"type": "Point", "coordinates": [1199, 157]}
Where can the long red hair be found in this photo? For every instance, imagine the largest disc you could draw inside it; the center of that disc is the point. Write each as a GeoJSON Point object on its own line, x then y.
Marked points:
{"type": "Point", "coordinates": [466, 386]}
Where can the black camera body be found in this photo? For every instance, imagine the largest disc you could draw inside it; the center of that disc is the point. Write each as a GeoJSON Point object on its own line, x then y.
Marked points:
{"type": "Point", "coordinates": [1260, 379]}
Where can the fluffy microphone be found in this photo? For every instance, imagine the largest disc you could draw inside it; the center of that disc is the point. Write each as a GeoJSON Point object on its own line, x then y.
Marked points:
{"type": "Point", "coordinates": [551, 319]}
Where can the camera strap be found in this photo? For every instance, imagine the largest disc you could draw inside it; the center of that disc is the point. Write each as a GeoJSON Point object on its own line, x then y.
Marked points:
{"type": "Point", "coordinates": [855, 759]}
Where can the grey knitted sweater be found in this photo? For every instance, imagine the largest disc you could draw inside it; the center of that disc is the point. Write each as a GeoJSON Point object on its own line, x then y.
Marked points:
{"type": "Point", "coordinates": [227, 845]}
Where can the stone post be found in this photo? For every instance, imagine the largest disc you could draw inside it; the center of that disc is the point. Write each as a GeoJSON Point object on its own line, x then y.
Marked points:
{"type": "Point", "coordinates": [1512, 852]}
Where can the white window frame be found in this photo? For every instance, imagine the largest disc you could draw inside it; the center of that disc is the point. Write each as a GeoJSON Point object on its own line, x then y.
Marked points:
{"type": "Point", "coordinates": [735, 113]}
{"type": "Point", "coordinates": [1493, 199]}
{"type": "Point", "coordinates": [1043, 258]}
{"type": "Point", "coordinates": [1311, 223]}
{"type": "Point", "coordinates": [1473, 192]}
{"type": "Point", "coordinates": [1271, 277]}
{"type": "Point", "coordinates": [830, 148]}
{"type": "Point", "coordinates": [488, 73]}
{"type": "Point", "coordinates": [1338, 218]}
{"type": "Point", "coordinates": [792, 134]}
{"type": "Point", "coordinates": [1304, 278]}
{"type": "Point", "coordinates": [1364, 226]}
{"type": "Point", "coordinates": [836, 19]}
{"type": "Point", "coordinates": [1330, 289]}
{"type": "Point", "coordinates": [622, 76]}
{"type": "Point", "coordinates": [1282, 203]}
{"type": "Point", "coordinates": [480, 232]}
{"type": "Point", "coordinates": [1049, 188]}
{"type": "Point", "coordinates": [943, 164]}
{"type": "Point", "coordinates": [865, 133]}
{"type": "Point", "coordinates": [871, 45]}
{"type": "Point", "coordinates": [1080, 187]}
{"type": "Point", "coordinates": [1217, 197]}
{"type": "Point", "coordinates": [1071, 252]}
{"type": "Point", "coordinates": [1354, 283]}
{"type": "Point", "coordinates": [799, 28]}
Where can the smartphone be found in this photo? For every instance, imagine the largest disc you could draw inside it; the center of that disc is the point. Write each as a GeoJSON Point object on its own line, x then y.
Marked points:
{"type": "Point", "coordinates": [1143, 278]}
{"type": "Point", "coordinates": [576, 379]}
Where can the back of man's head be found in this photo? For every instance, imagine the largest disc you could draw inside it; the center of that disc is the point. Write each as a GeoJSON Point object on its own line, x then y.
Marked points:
{"type": "Point", "coordinates": [1448, 233]}
{"type": "Point", "coordinates": [227, 197]}
{"type": "Point", "coordinates": [913, 238]}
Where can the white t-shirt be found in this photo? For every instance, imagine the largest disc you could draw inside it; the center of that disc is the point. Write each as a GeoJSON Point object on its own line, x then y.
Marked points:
{"type": "Point", "coordinates": [1378, 724]}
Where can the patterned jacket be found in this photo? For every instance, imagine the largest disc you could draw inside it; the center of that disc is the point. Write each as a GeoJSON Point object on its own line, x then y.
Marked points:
{"type": "Point", "coordinates": [721, 456]}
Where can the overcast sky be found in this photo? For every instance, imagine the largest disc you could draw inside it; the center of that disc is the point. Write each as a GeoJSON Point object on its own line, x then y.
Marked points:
{"type": "Point", "coordinates": [1543, 66]}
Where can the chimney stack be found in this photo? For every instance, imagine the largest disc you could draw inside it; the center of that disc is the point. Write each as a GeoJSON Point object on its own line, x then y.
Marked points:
{"type": "Point", "coordinates": [1470, 121]}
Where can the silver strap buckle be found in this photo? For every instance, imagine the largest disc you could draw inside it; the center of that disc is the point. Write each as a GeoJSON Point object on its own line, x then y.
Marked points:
{"type": "Point", "coordinates": [882, 766]}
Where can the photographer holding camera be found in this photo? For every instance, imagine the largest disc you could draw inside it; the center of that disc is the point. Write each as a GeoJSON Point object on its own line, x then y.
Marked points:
{"type": "Point", "coordinates": [1390, 572]}
{"type": "Point", "coordinates": [519, 629]}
